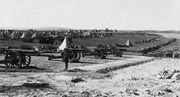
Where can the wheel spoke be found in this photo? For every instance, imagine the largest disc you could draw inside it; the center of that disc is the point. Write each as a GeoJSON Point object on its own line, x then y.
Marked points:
{"type": "Point", "coordinates": [12, 59]}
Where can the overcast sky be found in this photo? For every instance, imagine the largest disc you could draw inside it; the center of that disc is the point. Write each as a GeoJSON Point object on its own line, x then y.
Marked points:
{"type": "Point", "coordinates": [113, 14]}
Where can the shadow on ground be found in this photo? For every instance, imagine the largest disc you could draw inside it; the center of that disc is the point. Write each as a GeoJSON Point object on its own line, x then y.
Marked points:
{"type": "Point", "coordinates": [25, 69]}
{"type": "Point", "coordinates": [77, 70]}
{"type": "Point", "coordinates": [4, 88]}
{"type": "Point", "coordinates": [31, 89]}
{"type": "Point", "coordinates": [86, 62]}
{"type": "Point", "coordinates": [127, 57]}
{"type": "Point", "coordinates": [112, 59]}
{"type": "Point", "coordinates": [109, 69]}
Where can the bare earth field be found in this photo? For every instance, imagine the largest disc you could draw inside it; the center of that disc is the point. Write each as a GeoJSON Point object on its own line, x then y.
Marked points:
{"type": "Point", "coordinates": [47, 78]}
{"type": "Point", "coordinates": [83, 80]}
{"type": "Point", "coordinates": [127, 76]}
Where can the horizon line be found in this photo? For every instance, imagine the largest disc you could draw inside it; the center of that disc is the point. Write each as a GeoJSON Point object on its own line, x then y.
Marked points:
{"type": "Point", "coordinates": [67, 28]}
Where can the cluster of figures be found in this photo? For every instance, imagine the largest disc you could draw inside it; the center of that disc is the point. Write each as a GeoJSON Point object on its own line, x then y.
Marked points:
{"type": "Point", "coordinates": [173, 54]}
{"type": "Point", "coordinates": [153, 48]}
{"type": "Point", "coordinates": [146, 41]}
{"type": "Point", "coordinates": [94, 35]}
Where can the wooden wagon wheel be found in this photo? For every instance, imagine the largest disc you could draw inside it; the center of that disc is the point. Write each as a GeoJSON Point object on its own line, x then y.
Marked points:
{"type": "Point", "coordinates": [105, 54]}
{"type": "Point", "coordinates": [118, 53]}
{"type": "Point", "coordinates": [77, 57]}
{"type": "Point", "coordinates": [72, 56]}
{"type": "Point", "coordinates": [99, 54]}
{"type": "Point", "coordinates": [13, 59]}
{"type": "Point", "coordinates": [26, 60]}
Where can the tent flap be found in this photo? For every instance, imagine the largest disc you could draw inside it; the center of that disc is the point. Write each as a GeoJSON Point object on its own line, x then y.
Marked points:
{"type": "Point", "coordinates": [63, 45]}
{"type": "Point", "coordinates": [128, 43]}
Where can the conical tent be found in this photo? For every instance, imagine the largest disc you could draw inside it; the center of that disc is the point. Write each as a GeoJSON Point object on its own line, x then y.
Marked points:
{"type": "Point", "coordinates": [44, 33]}
{"type": "Point", "coordinates": [34, 35]}
{"type": "Point", "coordinates": [128, 43]}
{"type": "Point", "coordinates": [63, 45]}
{"type": "Point", "coordinates": [23, 36]}
{"type": "Point", "coordinates": [14, 35]}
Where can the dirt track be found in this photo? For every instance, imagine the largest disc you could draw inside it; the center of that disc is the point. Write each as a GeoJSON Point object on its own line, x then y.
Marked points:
{"type": "Point", "coordinates": [82, 78]}
{"type": "Point", "coordinates": [139, 80]}
{"type": "Point", "coordinates": [49, 76]}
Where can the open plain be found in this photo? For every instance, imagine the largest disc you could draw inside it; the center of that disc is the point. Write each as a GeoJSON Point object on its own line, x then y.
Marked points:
{"type": "Point", "coordinates": [126, 76]}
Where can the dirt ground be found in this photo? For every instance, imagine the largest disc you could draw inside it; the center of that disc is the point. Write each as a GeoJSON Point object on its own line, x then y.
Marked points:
{"type": "Point", "coordinates": [48, 78]}
{"type": "Point", "coordinates": [127, 76]}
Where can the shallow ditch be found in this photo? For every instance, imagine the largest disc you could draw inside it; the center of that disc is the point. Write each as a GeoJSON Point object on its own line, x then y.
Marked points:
{"type": "Point", "coordinates": [109, 69]}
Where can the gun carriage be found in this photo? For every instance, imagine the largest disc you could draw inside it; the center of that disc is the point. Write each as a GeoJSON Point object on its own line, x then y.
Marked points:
{"type": "Point", "coordinates": [101, 51]}
{"type": "Point", "coordinates": [20, 56]}
{"type": "Point", "coordinates": [16, 57]}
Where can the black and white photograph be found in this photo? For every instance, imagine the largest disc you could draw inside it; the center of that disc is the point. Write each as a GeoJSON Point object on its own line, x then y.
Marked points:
{"type": "Point", "coordinates": [89, 48]}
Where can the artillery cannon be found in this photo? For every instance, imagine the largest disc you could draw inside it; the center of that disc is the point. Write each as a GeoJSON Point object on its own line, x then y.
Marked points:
{"type": "Point", "coordinates": [16, 57]}
{"type": "Point", "coordinates": [20, 58]}
{"type": "Point", "coordinates": [75, 55]}
{"type": "Point", "coordinates": [101, 51]}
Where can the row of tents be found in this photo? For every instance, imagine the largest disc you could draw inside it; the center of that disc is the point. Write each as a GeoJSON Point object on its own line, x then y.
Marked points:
{"type": "Point", "coordinates": [15, 35]}
{"type": "Point", "coordinates": [146, 40]}
{"type": "Point", "coordinates": [94, 35]}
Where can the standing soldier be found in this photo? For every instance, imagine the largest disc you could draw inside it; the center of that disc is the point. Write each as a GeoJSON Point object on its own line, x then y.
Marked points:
{"type": "Point", "coordinates": [66, 58]}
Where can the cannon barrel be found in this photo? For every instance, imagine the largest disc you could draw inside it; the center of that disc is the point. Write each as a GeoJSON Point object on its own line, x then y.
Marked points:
{"type": "Point", "coordinates": [74, 57]}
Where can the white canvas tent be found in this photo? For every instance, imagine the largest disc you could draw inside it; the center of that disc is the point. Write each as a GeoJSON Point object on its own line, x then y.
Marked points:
{"type": "Point", "coordinates": [23, 36]}
{"type": "Point", "coordinates": [34, 36]}
{"type": "Point", "coordinates": [86, 34]}
{"type": "Point", "coordinates": [14, 35]}
{"type": "Point", "coordinates": [128, 43]}
{"type": "Point", "coordinates": [63, 45]}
